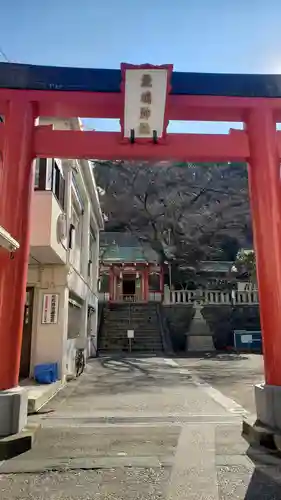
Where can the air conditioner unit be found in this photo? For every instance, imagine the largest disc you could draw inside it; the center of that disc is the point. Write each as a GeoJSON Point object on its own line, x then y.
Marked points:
{"type": "Point", "coordinates": [7, 241]}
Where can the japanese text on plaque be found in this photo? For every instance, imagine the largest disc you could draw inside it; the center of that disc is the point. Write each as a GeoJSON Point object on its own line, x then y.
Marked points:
{"type": "Point", "coordinates": [146, 101]}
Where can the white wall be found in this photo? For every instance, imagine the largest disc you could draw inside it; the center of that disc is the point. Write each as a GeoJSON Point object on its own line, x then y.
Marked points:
{"type": "Point", "coordinates": [50, 343]}
{"type": "Point", "coordinates": [49, 340]}
{"type": "Point", "coordinates": [92, 334]}
{"type": "Point", "coordinates": [44, 244]}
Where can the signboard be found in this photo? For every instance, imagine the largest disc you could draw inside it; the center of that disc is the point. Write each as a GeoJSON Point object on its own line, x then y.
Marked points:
{"type": "Point", "coordinates": [50, 308]}
{"type": "Point", "coordinates": [249, 340]}
{"type": "Point", "coordinates": [145, 91]}
{"type": "Point", "coordinates": [130, 334]}
{"type": "Point", "coordinates": [246, 339]}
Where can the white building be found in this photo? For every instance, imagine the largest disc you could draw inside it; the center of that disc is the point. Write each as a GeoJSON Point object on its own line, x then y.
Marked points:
{"type": "Point", "coordinates": [61, 304]}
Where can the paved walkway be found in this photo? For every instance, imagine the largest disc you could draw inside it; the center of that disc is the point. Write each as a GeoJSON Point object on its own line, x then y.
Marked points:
{"type": "Point", "coordinates": [140, 429]}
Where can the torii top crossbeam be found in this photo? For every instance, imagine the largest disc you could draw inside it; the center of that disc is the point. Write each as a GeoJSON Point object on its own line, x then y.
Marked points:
{"type": "Point", "coordinates": [96, 92]}
{"type": "Point", "coordinates": [31, 77]}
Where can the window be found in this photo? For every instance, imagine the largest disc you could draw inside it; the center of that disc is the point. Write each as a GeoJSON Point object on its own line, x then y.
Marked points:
{"type": "Point", "coordinates": [40, 174]}
{"type": "Point", "coordinates": [77, 221]}
{"type": "Point", "coordinates": [92, 251]}
{"type": "Point", "coordinates": [104, 283]}
{"type": "Point", "coordinates": [58, 182]}
{"type": "Point", "coordinates": [49, 177]}
{"type": "Point", "coordinates": [154, 282]}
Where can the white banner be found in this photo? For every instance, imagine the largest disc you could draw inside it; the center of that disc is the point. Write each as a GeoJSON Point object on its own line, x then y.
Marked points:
{"type": "Point", "coordinates": [50, 308]}
{"type": "Point", "coordinates": [145, 102]}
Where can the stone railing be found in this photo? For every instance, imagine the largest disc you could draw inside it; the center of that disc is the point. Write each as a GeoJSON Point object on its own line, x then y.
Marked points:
{"type": "Point", "coordinates": [153, 297]}
{"type": "Point", "coordinates": [211, 297]}
{"type": "Point", "coordinates": [188, 297]}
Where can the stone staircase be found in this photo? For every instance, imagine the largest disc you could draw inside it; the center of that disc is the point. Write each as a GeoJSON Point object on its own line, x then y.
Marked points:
{"type": "Point", "coordinates": [118, 318]}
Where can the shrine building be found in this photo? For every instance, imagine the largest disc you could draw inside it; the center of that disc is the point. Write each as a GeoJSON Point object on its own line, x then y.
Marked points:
{"type": "Point", "coordinates": [129, 270]}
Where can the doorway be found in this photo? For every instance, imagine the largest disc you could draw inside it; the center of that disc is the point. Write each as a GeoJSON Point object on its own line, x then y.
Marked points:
{"type": "Point", "coordinates": [129, 286]}
{"type": "Point", "coordinates": [27, 334]}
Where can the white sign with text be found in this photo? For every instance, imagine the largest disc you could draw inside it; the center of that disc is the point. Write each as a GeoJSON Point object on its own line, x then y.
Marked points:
{"type": "Point", "coordinates": [50, 308]}
{"type": "Point", "coordinates": [145, 102]}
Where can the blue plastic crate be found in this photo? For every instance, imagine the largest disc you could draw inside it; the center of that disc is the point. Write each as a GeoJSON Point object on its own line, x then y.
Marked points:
{"type": "Point", "coordinates": [46, 373]}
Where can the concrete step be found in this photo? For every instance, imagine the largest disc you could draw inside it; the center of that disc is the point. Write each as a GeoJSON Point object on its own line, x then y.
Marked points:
{"type": "Point", "coordinates": [123, 330]}
{"type": "Point", "coordinates": [138, 324]}
{"type": "Point", "coordinates": [126, 324]}
{"type": "Point", "coordinates": [143, 319]}
{"type": "Point", "coordinates": [39, 395]}
{"type": "Point", "coordinates": [125, 312]}
{"type": "Point", "coordinates": [137, 339]}
{"type": "Point", "coordinates": [126, 349]}
{"type": "Point", "coordinates": [130, 318]}
{"type": "Point", "coordinates": [20, 443]}
{"type": "Point", "coordinates": [132, 305]}
{"type": "Point", "coordinates": [146, 344]}
{"type": "Point", "coordinates": [137, 335]}
{"type": "Point", "coordinates": [149, 330]}
{"type": "Point", "coordinates": [106, 342]}
{"type": "Point", "coordinates": [122, 340]}
{"type": "Point", "coordinates": [131, 311]}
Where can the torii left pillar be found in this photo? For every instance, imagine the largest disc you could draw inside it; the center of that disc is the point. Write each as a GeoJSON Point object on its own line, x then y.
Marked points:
{"type": "Point", "coordinates": [16, 186]}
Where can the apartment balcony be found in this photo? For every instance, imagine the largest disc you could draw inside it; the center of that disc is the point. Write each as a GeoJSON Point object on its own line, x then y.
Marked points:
{"type": "Point", "coordinates": [48, 242]}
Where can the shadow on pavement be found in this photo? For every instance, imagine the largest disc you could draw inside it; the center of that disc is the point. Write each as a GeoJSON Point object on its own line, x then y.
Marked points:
{"type": "Point", "coordinates": [225, 356]}
{"type": "Point", "coordinates": [122, 375]}
{"type": "Point", "coordinates": [122, 364]}
{"type": "Point", "coordinates": [264, 484]}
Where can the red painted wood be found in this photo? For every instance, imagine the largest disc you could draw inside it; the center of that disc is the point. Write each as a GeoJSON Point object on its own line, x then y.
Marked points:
{"type": "Point", "coordinates": [16, 190]}
{"type": "Point", "coordinates": [264, 185]}
{"type": "Point", "coordinates": [19, 143]}
{"type": "Point", "coordinates": [109, 145]}
{"type": "Point", "coordinates": [110, 105]}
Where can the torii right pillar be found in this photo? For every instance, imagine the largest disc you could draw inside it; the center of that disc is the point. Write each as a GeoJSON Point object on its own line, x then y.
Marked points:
{"type": "Point", "coordinates": [265, 195]}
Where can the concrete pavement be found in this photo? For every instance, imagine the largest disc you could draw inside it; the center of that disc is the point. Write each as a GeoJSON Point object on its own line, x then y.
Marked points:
{"type": "Point", "coordinates": [141, 429]}
{"type": "Point", "coordinates": [233, 375]}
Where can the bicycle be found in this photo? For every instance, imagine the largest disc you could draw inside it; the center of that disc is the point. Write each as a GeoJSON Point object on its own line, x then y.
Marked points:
{"type": "Point", "coordinates": [79, 362]}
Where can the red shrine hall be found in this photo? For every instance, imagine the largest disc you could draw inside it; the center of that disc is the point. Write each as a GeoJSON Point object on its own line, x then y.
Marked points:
{"type": "Point", "coordinates": [129, 270]}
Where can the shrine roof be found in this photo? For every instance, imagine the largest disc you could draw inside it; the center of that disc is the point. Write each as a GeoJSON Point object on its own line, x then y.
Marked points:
{"type": "Point", "coordinates": [125, 248]}
{"type": "Point", "coordinates": [32, 77]}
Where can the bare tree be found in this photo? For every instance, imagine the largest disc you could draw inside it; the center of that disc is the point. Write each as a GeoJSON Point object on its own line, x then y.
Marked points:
{"type": "Point", "coordinates": [184, 211]}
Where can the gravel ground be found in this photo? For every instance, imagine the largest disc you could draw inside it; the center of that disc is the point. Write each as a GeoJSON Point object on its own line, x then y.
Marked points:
{"type": "Point", "coordinates": [109, 484]}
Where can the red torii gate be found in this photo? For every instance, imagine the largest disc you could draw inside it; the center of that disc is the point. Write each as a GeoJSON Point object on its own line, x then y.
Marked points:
{"type": "Point", "coordinates": [27, 92]}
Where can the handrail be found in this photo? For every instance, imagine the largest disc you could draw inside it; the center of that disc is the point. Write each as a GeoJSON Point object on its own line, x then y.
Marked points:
{"type": "Point", "coordinates": [164, 331]}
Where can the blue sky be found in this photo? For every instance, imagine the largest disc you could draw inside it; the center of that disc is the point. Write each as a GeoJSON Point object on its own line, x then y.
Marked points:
{"type": "Point", "coordinates": [233, 36]}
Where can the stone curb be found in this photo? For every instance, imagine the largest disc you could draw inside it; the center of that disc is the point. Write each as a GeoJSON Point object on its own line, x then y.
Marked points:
{"type": "Point", "coordinates": [14, 445]}
{"type": "Point", "coordinates": [37, 398]}
{"type": "Point", "coordinates": [258, 434]}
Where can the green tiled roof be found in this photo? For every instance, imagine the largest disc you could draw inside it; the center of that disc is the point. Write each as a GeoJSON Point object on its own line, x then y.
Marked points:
{"type": "Point", "coordinates": [123, 247]}
{"type": "Point", "coordinates": [124, 254]}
